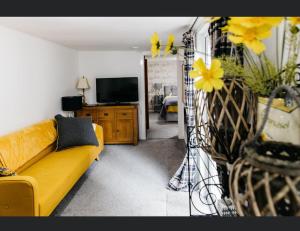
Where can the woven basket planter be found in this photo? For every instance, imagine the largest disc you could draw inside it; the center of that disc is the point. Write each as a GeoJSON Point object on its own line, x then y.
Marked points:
{"type": "Point", "coordinates": [225, 119]}
{"type": "Point", "coordinates": [265, 181]}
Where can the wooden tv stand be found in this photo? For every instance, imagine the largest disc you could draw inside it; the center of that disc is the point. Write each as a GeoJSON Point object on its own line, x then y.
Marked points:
{"type": "Point", "coordinates": [120, 123]}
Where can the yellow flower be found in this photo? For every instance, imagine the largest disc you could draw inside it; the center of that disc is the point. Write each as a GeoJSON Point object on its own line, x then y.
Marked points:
{"type": "Point", "coordinates": [251, 37]}
{"type": "Point", "coordinates": [210, 78]}
{"type": "Point", "coordinates": [251, 30]}
{"type": "Point", "coordinates": [170, 44]}
{"type": "Point", "coordinates": [256, 21]}
{"type": "Point", "coordinates": [294, 20]}
{"type": "Point", "coordinates": [155, 48]}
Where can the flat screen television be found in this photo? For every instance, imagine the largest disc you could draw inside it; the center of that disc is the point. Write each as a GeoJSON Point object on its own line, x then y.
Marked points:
{"type": "Point", "coordinates": [117, 90]}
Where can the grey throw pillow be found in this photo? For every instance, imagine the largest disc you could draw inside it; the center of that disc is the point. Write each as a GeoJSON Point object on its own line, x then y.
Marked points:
{"type": "Point", "coordinates": [74, 132]}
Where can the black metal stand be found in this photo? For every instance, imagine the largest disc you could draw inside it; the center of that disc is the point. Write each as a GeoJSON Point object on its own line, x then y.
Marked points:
{"type": "Point", "coordinates": [205, 189]}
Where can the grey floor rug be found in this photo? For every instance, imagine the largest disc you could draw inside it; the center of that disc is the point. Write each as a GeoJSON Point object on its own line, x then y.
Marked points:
{"type": "Point", "coordinates": [129, 181]}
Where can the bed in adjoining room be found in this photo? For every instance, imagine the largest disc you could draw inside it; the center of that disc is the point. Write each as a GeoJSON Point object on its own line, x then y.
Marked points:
{"type": "Point", "coordinates": [169, 110]}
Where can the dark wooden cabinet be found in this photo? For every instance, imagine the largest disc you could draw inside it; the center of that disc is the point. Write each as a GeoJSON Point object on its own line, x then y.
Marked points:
{"type": "Point", "coordinates": [120, 123]}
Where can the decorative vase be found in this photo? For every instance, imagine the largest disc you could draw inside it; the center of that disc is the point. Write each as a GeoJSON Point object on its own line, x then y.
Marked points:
{"type": "Point", "coordinates": [283, 123]}
{"type": "Point", "coordinates": [225, 119]}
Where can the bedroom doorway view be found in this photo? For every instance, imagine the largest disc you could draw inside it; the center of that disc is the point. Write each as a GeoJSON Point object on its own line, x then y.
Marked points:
{"type": "Point", "coordinates": [161, 78]}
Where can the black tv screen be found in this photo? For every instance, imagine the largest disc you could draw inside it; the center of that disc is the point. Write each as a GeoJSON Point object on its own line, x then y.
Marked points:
{"type": "Point", "coordinates": [117, 90]}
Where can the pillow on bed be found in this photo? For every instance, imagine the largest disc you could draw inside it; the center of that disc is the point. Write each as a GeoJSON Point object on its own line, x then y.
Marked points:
{"type": "Point", "coordinates": [170, 97]}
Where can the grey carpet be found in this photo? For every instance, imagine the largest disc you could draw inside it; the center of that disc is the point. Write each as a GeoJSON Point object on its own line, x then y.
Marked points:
{"type": "Point", "coordinates": [129, 181]}
{"type": "Point", "coordinates": [161, 129]}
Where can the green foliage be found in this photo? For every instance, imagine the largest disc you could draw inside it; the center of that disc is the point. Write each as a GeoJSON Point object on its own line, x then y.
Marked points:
{"type": "Point", "coordinates": [260, 73]}
{"type": "Point", "coordinates": [231, 67]}
{"type": "Point", "coordinates": [262, 77]}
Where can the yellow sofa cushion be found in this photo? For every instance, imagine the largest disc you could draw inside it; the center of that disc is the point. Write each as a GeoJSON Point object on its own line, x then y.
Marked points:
{"type": "Point", "coordinates": [57, 172]}
{"type": "Point", "coordinates": [19, 147]}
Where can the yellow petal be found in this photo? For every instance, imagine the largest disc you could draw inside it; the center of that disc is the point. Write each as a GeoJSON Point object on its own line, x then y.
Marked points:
{"type": "Point", "coordinates": [207, 86]}
{"type": "Point", "coordinates": [217, 74]}
{"type": "Point", "coordinates": [171, 38]}
{"type": "Point", "coordinates": [256, 45]}
{"type": "Point", "coordinates": [199, 84]}
{"type": "Point", "coordinates": [154, 38]}
{"type": "Point", "coordinates": [250, 22]}
{"type": "Point", "coordinates": [217, 83]}
{"type": "Point", "coordinates": [294, 20]}
{"type": "Point", "coordinates": [154, 51]}
{"type": "Point", "coordinates": [200, 65]}
{"type": "Point", "coordinates": [263, 32]}
{"type": "Point", "coordinates": [274, 21]}
{"type": "Point", "coordinates": [215, 65]}
{"type": "Point", "coordinates": [235, 39]}
{"type": "Point", "coordinates": [236, 29]}
{"type": "Point", "coordinates": [194, 74]}
{"type": "Point", "coordinates": [167, 50]}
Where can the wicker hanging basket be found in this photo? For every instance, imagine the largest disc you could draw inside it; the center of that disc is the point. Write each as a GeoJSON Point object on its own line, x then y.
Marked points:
{"type": "Point", "coordinates": [265, 181]}
{"type": "Point", "coordinates": [225, 118]}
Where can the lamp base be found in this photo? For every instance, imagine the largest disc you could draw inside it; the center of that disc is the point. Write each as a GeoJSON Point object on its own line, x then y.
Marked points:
{"type": "Point", "coordinates": [84, 103]}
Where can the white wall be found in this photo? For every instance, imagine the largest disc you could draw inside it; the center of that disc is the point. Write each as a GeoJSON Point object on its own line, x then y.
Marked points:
{"type": "Point", "coordinates": [97, 64]}
{"type": "Point", "coordinates": [34, 74]}
{"type": "Point", "coordinates": [163, 71]}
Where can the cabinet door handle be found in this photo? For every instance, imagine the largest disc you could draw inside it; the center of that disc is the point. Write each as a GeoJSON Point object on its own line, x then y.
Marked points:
{"type": "Point", "coordinates": [106, 114]}
{"type": "Point", "coordinates": [124, 113]}
{"type": "Point", "coordinates": [88, 114]}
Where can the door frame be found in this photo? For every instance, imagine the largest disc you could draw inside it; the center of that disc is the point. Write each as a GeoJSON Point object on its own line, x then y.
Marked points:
{"type": "Point", "coordinates": [180, 91]}
{"type": "Point", "coordinates": [146, 93]}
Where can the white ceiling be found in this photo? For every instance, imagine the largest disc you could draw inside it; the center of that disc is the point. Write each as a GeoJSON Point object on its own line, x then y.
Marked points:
{"type": "Point", "coordinates": [100, 33]}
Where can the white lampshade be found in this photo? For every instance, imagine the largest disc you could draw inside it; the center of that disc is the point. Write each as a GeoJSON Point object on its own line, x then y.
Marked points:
{"type": "Point", "coordinates": [83, 83]}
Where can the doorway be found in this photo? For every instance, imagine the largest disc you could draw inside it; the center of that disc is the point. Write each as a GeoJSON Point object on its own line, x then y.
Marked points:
{"type": "Point", "coordinates": [163, 92]}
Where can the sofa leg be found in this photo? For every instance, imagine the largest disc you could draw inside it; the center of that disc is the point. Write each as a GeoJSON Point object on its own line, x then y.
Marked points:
{"type": "Point", "coordinates": [97, 158]}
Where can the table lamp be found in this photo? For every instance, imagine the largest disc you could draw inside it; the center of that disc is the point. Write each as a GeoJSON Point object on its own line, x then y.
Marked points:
{"type": "Point", "coordinates": [83, 84]}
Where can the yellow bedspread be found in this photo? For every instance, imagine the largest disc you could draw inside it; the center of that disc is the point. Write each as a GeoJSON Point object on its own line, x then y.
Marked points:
{"type": "Point", "coordinates": [172, 108]}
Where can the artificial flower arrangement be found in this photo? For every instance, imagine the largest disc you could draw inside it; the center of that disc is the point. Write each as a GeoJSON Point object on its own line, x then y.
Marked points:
{"type": "Point", "coordinates": [232, 86]}
{"type": "Point", "coordinates": [156, 45]}
{"type": "Point", "coordinates": [259, 72]}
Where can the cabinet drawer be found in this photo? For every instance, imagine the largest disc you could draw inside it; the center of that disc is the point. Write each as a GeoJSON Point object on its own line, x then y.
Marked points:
{"type": "Point", "coordinates": [105, 114]}
{"type": "Point", "coordinates": [87, 113]}
{"type": "Point", "coordinates": [124, 114]}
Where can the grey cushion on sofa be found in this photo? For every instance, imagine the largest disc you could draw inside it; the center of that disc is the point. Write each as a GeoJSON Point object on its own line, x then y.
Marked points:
{"type": "Point", "coordinates": [74, 132]}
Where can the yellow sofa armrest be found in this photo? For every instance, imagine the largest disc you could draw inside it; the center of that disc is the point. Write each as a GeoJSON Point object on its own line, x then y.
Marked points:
{"type": "Point", "coordinates": [99, 135]}
{"type": "Point", "coordinates": [18, 196]}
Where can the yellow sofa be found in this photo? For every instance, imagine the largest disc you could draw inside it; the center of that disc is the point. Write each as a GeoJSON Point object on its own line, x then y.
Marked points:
{"type": "Point", "coordinates": [44, 176]}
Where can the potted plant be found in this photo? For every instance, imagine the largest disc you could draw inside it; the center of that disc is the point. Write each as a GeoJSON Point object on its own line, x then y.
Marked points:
{"type": "Point", "coordinates": [264, 181]}
{"type": "Point", "coordinates": [225, 108]}
{"type": "Point", "coordinates": [263, 74]}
